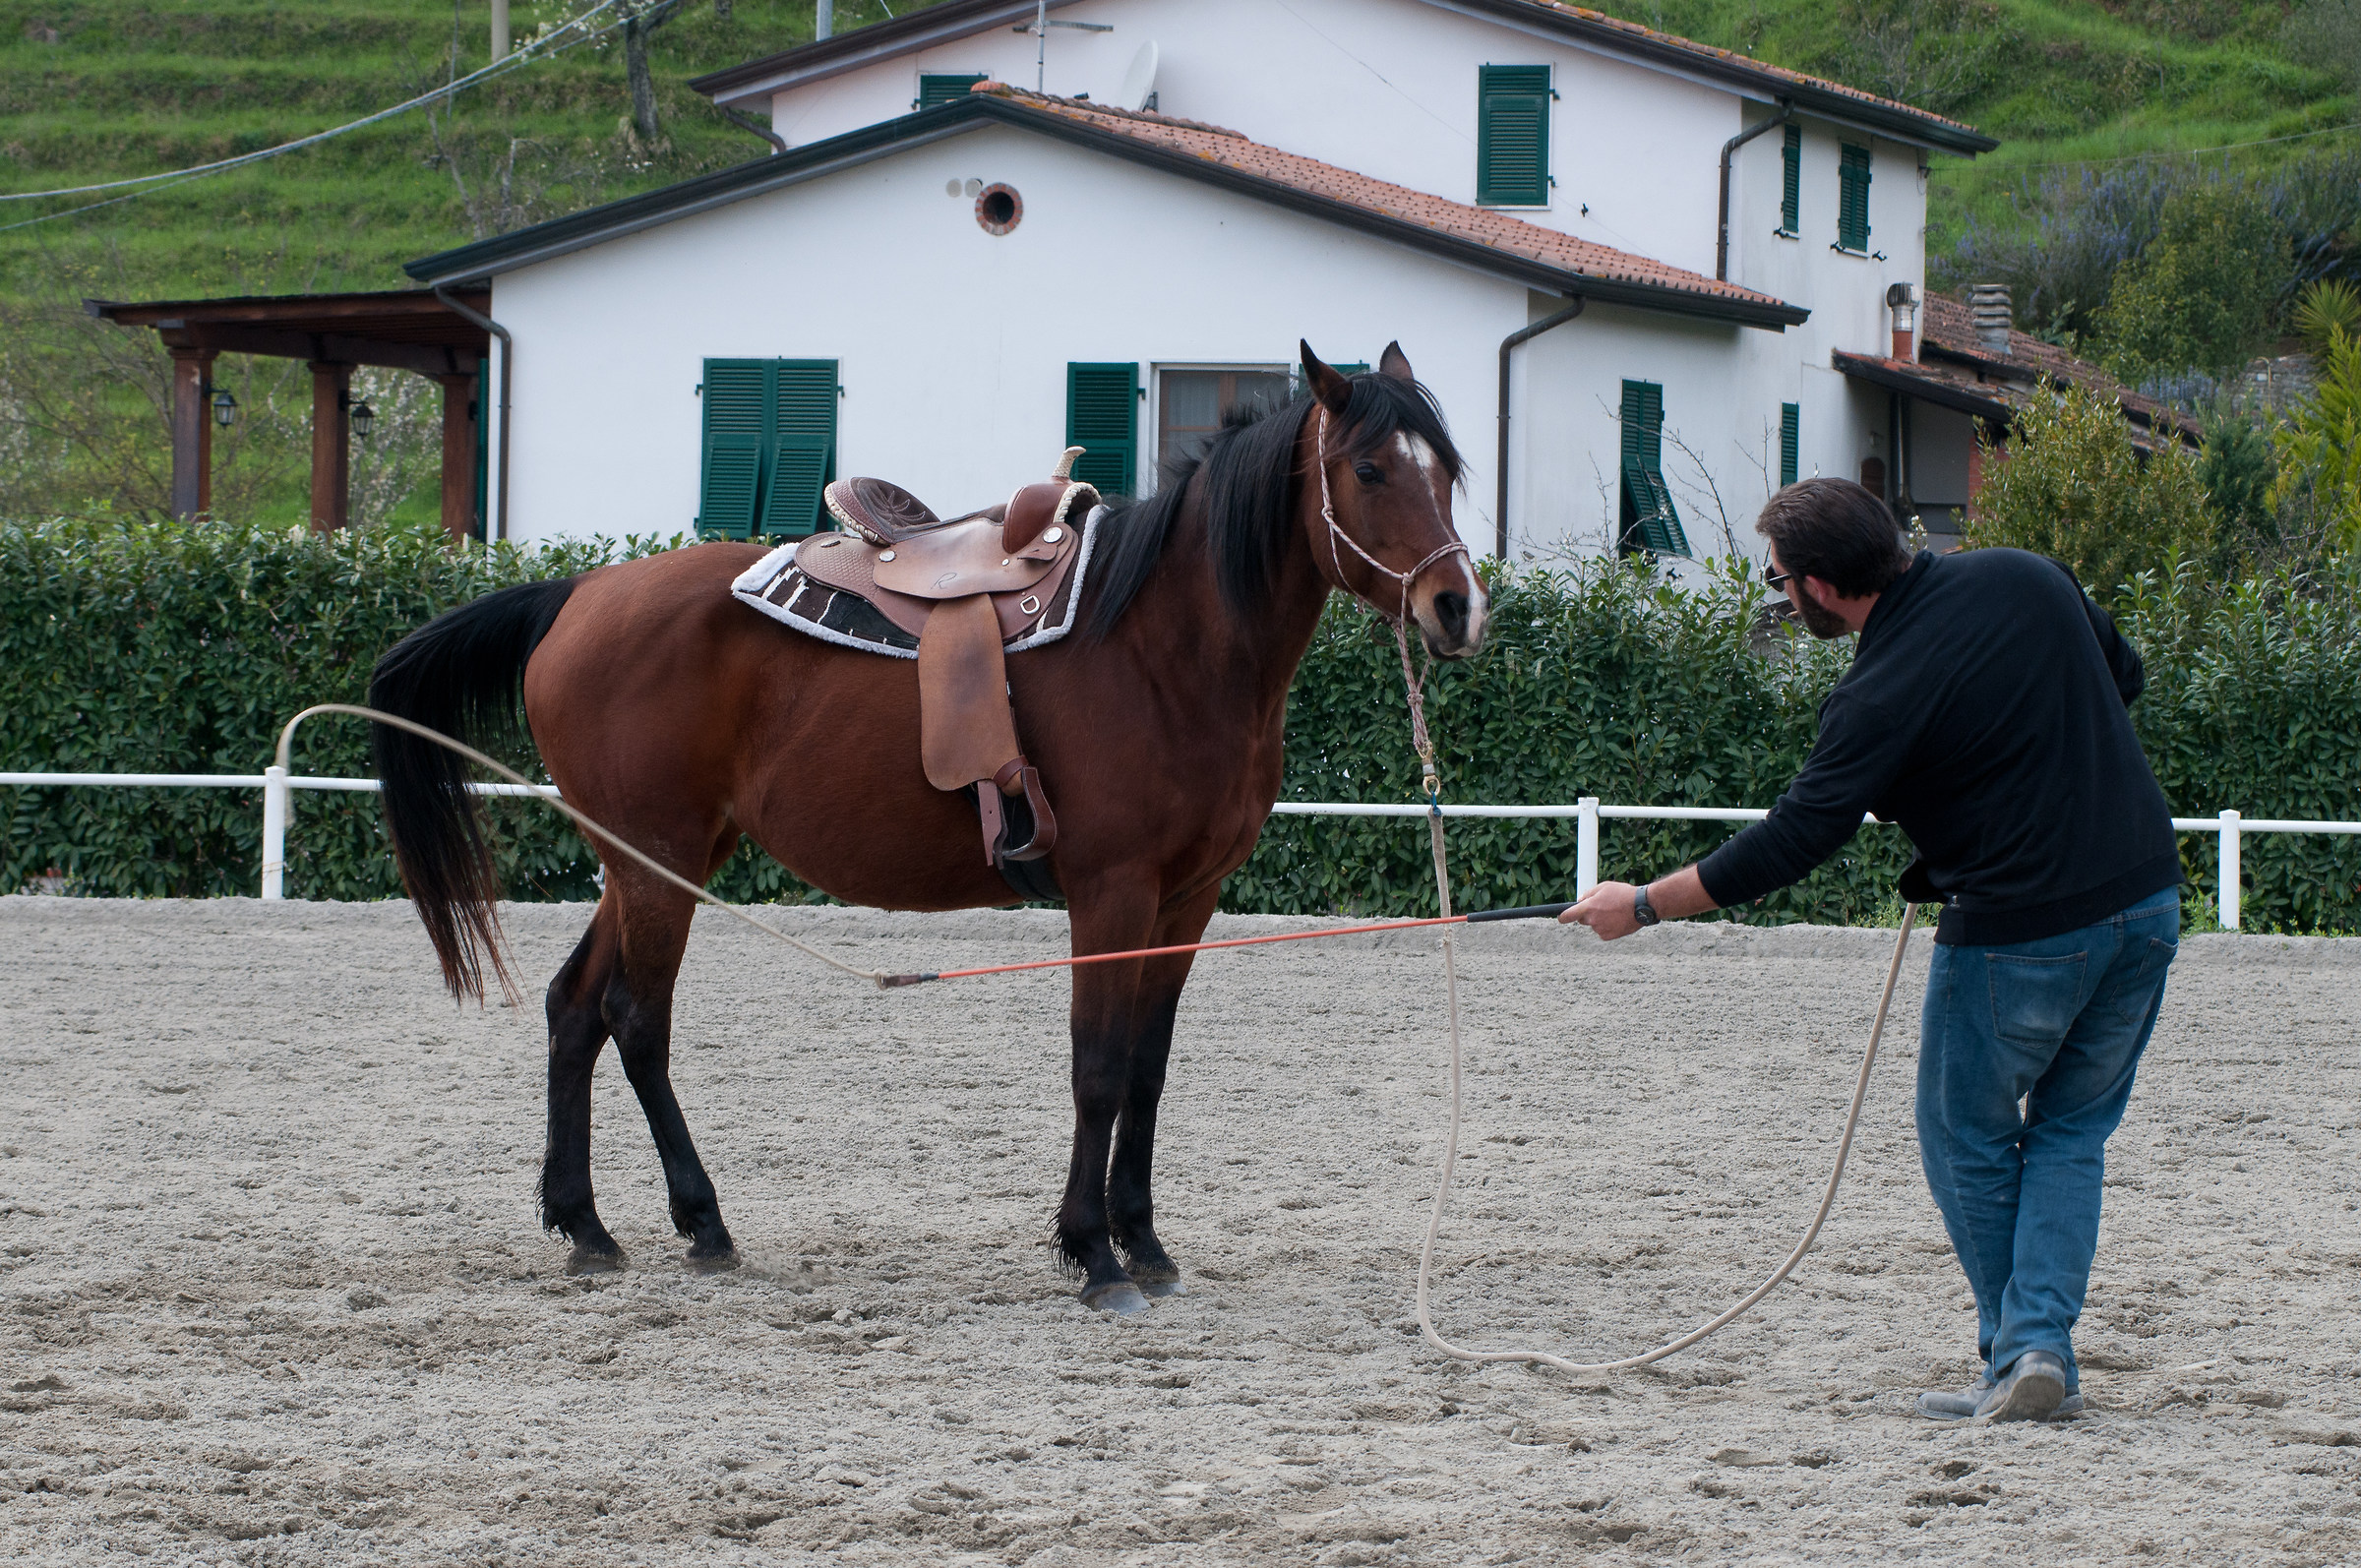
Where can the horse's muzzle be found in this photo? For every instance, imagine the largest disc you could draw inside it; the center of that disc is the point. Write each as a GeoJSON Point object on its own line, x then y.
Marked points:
{"type": "Point", "coordinates": [1454, 626]}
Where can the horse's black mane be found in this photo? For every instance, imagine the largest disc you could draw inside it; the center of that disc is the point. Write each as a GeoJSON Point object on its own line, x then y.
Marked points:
{"type": "Point", "coordinates": [1244, 482]}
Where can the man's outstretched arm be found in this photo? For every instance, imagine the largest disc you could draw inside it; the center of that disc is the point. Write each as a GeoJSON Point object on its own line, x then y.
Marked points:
{"type": "Point", "coordinates": [1608, 908]}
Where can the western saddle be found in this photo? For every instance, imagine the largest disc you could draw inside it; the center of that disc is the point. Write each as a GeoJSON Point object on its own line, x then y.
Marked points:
{"type": "Point", "coordinates": [964, 586]}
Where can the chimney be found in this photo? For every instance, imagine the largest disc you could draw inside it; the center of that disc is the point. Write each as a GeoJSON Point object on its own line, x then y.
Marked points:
{"type": "Point", "coordinates": [1903, 300]}
{"type": "Point", "coordinates": [1988, 308]}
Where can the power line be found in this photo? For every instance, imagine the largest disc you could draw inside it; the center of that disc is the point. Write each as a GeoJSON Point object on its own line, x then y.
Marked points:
{"type": "Point", "coordinates": [2189, 153]}
{"type": "Point", "coordinates": [548, 45]}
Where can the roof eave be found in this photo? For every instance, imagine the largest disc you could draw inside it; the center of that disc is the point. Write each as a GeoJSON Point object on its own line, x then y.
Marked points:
{"type": "Point", "coordinates": [849, 51]}
{"type": "Point", "coordinates": [1777, 315]}
{"type": "Point", "coordinates": [479, 261]}
{"type": "Point", "coordinates": [1926, 389]}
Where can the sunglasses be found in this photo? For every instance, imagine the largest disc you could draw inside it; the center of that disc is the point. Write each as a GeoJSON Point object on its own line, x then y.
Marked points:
{"type": "Point", "coordinates": [1777, 580]}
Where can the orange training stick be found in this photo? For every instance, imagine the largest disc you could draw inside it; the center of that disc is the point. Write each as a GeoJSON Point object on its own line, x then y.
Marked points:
{"type": "Point", "coordinates": [1525, 912]}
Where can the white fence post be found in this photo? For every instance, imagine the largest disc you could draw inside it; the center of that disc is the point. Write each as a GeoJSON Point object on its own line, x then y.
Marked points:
{"type": "Point", "coordinates": [1586, 846]}
{"type": "Point", "coordinates": [2227, 900]}
{"type": "Point", "coordinates": [275, 832]}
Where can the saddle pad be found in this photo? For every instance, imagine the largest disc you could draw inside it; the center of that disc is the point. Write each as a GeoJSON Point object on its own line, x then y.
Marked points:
{"type": "Point", "coordinates": [831, 612]}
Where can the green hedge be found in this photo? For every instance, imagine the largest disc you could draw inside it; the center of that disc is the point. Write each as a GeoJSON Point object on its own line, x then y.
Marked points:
{"type": "Point", "coordinates": [183, 649]}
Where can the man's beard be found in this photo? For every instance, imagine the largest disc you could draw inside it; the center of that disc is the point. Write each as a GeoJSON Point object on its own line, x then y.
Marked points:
{"type": "Point", "coordinates": [1817, 621]}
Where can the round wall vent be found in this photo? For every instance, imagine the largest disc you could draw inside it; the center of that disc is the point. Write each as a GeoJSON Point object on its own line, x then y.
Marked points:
{"type": "Point", "coordinates": [999, 208]}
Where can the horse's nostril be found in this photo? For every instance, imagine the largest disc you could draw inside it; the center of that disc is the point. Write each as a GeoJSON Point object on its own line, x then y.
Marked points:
{"type": "Point", "coordinates": [1451, 612]}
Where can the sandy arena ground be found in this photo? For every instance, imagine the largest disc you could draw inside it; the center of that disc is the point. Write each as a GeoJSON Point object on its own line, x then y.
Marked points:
{"type": "Point", "coordinates": [274, 1292]}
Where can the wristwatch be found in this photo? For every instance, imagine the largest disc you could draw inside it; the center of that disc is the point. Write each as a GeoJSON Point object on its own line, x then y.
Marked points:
{"type": "Point", "coordinates": [1641, 910]}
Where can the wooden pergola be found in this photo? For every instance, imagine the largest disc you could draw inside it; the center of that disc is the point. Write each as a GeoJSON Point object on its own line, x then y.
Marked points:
{"type": "Point", "coordinates": [408, 329]}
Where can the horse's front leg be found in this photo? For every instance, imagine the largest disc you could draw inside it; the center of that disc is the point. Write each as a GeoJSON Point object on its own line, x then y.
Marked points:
{"type": "Point", "coordinates": [1130, 1205]}
{"type": "Point", "coordinates": [1104, 1032]}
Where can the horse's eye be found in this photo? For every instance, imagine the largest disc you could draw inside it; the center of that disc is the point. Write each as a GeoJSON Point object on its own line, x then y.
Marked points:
{"type": "Point", "coordinates": [1368, 473]}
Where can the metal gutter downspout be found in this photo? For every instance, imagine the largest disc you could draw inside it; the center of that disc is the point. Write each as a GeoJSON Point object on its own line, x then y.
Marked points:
{"type": "Point", "coordinates": [508, 371]}
{"type": "Point", "coordinates": [1787, 112]}
{"type": "Point", "coordinates": [1507, 346]}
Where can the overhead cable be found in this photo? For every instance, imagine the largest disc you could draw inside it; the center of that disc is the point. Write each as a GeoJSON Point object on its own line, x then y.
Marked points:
{"type": "Point", "coordinates": [547, 45]}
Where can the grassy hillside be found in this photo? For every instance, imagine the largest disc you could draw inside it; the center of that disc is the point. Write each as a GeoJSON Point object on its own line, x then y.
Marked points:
{"type": "Point", "coordinates": [2059, 82]}
{"type": "Point", "coordinates": [97, 89]}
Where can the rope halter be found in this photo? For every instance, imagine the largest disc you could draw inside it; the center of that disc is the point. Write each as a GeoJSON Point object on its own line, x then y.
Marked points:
{"type": "Point", "coordinates": [1414, 684]}
{"type": "Point", "coordinates": [1336, 532]}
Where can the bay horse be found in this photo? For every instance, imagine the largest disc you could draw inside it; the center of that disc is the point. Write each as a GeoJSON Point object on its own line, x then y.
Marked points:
{"type": "Point", "coordinates": [679, 720]}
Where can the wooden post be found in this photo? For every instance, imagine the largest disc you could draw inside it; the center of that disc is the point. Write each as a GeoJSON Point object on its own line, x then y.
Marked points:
{"type": "Point", "coordinates": [458, 457]}
{"type": "Point", "coordinates": [331, 444]}
{"type": "Point", "coordinates": [192, 433]}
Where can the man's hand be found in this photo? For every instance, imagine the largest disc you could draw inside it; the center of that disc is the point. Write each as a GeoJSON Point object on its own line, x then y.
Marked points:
{"type": "Point", "coordinates": [1607, 909]}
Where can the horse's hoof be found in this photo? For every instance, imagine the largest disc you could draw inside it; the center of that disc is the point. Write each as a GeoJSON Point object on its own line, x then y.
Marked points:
{"type": "Point", "coordinates": [589, 1261]}
{"type": "Point", "coordinates": [1122, 1298]}
{"type": "Point", "coordinates": [712, 1262]}
{"type": "Point", "coordinates": [1159, 1289]}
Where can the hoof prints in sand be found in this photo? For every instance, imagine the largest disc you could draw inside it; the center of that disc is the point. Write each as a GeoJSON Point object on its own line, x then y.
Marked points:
{"type": "Point", "coordinates": [272, 1289]}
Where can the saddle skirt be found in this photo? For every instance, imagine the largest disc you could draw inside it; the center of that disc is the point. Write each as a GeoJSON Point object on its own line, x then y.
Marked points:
{"type": "Point", "coordinates": [860, 591]}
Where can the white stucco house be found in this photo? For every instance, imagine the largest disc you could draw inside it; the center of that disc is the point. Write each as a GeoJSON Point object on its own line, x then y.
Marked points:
{"type": "Point", "coordinates": [979, 242]}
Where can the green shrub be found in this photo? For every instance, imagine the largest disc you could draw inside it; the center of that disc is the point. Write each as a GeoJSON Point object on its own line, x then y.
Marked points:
{"type": "Point", "coordinates": [2327, 308]}
{"type": "Point", "coordinates": [2071, 484]}
{"type": "Point", "coordinates": [2320, 449]}
{"type": "Point", "coordinates": [1602, 680]}
{"type": "Point", "coordinates": [183, 649]}
{"type": "Point", "coordinates": [2204, 295]}
{"type": "Point", "coordinates": [2254, 702]}
{"type": "Point", "coordinates": [2238, 465]}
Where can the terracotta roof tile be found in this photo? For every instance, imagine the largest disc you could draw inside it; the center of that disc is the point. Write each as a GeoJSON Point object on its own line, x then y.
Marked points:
{"type": "Point", "coordinates": [1948, 330]}
{"type": "Point", "coordinates": [1485, 226]}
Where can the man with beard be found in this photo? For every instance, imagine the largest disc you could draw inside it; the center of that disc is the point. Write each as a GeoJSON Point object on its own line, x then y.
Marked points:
{"type": "Point", "coordinates": [1985, 712]}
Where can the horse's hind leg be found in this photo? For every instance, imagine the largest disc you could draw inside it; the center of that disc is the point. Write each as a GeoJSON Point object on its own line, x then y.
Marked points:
{"type": "Point", "coordinates": [638, 1010]}
{"type": "Point", "coordinates": [577, 1032]}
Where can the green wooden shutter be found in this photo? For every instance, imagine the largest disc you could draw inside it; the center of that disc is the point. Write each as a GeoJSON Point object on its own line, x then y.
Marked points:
{"type": "Point", "coordinates": [770, 447]}
{"type": "Point", "coordinates": [934, 89]}
{"type": "Point", "coordinates": [737, 429]}
{"type": "Point", "coordinates": [1102, 416]}
{"type": "Point", "coordinates": [1790, 426]}
{"type": "Point", "coordinates": [803, 446]}
{"type": "Point", "coordinates": [1790, 199]}
{"type": "Point", "coordinates": [1852, 203]}
{"type": "Point", "coordinates": [1649, 520]}
{"type": "Point", "coordinates": [1512, 135]}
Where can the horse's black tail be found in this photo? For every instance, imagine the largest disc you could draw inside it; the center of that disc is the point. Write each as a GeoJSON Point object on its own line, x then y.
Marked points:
{"type": "Point", "coordinates": [461, 674]}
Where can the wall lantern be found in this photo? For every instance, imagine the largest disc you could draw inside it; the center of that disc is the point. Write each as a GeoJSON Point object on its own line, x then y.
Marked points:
{"type": "Point", "coordinates": [225, 409]}
{"type": "Point", "coordinates": [363, 416]}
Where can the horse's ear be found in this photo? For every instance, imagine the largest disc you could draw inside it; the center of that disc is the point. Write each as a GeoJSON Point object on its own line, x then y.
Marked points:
{"type": "Point", "coordinates": [1395, 363]}
{"type": "Point", "coordinates": [1326, 383]}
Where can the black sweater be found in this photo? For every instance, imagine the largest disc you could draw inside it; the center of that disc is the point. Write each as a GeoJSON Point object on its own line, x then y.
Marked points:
{"type": "Point", "coordinates": [1985, 713]}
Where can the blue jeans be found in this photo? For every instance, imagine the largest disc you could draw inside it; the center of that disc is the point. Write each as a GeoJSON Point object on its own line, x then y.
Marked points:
{"type": "Point", "coordinates": [2057, 1024]}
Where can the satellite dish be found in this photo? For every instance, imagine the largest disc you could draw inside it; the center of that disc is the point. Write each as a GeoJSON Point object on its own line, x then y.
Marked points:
{"type": "Point", "coordinates": [1139, 78]}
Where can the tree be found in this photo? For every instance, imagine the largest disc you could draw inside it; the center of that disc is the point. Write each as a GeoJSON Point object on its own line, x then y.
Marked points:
{"type": "Point", "coordinates": [2203, 295]}
{"type": "Point", "coordinates": [2072, 485]}
{"type": "Point", "coordinates": [639, 19]}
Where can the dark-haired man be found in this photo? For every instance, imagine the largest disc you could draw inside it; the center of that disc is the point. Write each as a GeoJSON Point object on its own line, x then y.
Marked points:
{"type": "Point", "coordinates": [1985, 713]}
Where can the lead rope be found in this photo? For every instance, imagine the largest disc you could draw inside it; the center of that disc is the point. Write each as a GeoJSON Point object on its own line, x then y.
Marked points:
{"type": "Point", "coordinates": [1443, 1185]}
{"type": "Point", "coordinates": [286, 738]}
{"type": "Point", "coordinates": [1414, 690]}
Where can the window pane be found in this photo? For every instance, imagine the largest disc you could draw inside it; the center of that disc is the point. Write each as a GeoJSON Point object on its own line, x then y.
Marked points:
{"type": "Point", "coordinates": [1261, 390]}
{"type": "Point", "coordinates": [1192, 399]}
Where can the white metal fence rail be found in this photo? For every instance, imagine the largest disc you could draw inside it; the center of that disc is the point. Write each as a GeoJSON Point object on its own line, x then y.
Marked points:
{"type": "Point", "coordinates": [278, 785]}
